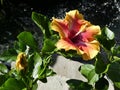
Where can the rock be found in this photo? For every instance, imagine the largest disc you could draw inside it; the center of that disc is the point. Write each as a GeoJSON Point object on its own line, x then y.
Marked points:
{"type": "Point", "coordinates": [66, 69]}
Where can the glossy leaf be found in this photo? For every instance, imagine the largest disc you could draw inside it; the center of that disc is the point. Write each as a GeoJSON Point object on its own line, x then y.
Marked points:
{"type": "Point", "coordinates": [102, 84]}
{"type": "Point", "coordinates": [100, 65]}
{"type": "Point", "coordinates": [43, 23]}
{"type": "Point", "coordinates": [28, 39]}
{"type": "Point", "coordinates": [78, 85]}
{"type": "Point", "coordinates": [118, 50]}
{"type": "Point", "coordinates": [3, 68]}
{"type": "Point", "coordinates": [35, 86]}
{"type": "Point", "coordinates": [88, 71]}
{"type": "Point", "coordinates": [12, 84]}
{"type": "Point", "coordinates": [117, 84]}
{"type": "Point", "coordinates": [50, 72]}
{"type": "Point", "coordinates": [19, 46]}
{"type": "Point", "coordinates": [115, 50]}
{"type": "Point", "coordinates": [116, 58]}
{"type": "Point", "coordinates": [106, 38]}
{"type": "Point", "coordinates": [114, 71]}
{"type": "Point", "coordinates": [31, 64]}
{"type": "Point", "coordinates": [45, 71]}
{"type": "Point", "coordinates": [49, 46]}
{"type": "Point", "coordinates": [92, 77]}
{"type": "Point", "coordinates": [37, 65]}
{"type": "Point", "coordinates": [110, 35]}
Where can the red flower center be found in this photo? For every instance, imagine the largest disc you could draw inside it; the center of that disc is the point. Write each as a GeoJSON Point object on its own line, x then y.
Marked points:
{"type": "Point", "coordinates": [78, 40]}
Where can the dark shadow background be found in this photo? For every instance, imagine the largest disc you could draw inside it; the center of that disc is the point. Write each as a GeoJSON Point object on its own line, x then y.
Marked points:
{"type": "Point", "coordinates": [15, 15]}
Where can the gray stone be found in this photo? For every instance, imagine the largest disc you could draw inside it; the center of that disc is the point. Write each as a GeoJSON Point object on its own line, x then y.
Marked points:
{"type": "Point", "coordinates": [66, 69]}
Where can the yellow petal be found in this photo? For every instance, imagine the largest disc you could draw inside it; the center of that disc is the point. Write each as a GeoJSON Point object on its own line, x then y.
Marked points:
{"type": "Point", "coordinates": [65, 44]}
{"type": "Point", "coordinates": [76, 21]}
{"type": "Point", "coordinates": [61, 26]}
{"type": "Point", "coordinates": [21, 62]}
{"type": "Point", "coordinates": [91, 50]}
{"type": "Point", "coordinates": [74, 14]}
{"type": "Point", "coordinates": [94, 29]}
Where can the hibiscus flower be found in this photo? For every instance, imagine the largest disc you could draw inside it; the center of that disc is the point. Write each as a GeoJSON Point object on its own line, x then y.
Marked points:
{"type": "Point", "coordinates": [78, 34]}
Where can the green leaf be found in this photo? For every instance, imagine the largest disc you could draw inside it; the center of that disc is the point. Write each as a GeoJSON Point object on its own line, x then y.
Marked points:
{"type": "Point", "coordinates": [3, 68]}
{"type": "Point", "coordinates": [78, 85]}
{"type": "Point", "coordinates": [41, 67]}
{"type": "Point", "coordinates": [110, 35]}
{"type": "Point", "coordinates": [88, 71]}
{"type": "Point", "coordinates": [35, 86]}
{"type": "Point", "coordinates": [108, 44]}
{"type": "Point", "coordinates": [9, 55]}
{"type": "Point", "coordinates": [115, 58]}
{"type": "Point", "coordinates": [44, 70]}
{"type": "Point", "coordinates": [25, 89]}
{"type": "Point", "coordinates": [49, 46]}
{"type": "Point", "coordinates": [37, 65]}
{"type": "Point", "coordinates": [43, 23]}
{"type": "Point", "coordinates": [116, 50]}
{"type": "Point", "coordinates": [117, 84]}
{"type": "Point", "coordinates": [31, 64]}
{"type": "Point", "coordinates": [50, 72]}
{"type": "Point", "coordinates": [102, 84]}
{"type": "Point", "coordinates": [27, 39]}
{"type": "Point", "coordinates": [19, 46]}
{"type": "Point", "coordinates": [12, 84]}
{"type": "Point", "coordinates": [114, 71]}
{"type": "Point", "coordinates": [92, 77]}
{"type": "Point", "coordinates": [100, 65]}
{"type": "Point", "coordinates": [106, 38]}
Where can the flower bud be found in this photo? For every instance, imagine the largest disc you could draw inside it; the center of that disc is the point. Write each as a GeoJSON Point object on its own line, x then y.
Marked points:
{"type": "Point", "coordinates": [21, 62]}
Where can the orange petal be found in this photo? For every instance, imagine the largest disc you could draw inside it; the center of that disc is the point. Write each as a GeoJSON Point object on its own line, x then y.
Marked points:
{"type": "Point", "coordinates": [65, 44]}
{"type": "Point", "coordinates": [90, 50]}
{"type": "Point", "coordinates": [73, 14]}
{"type": "Point", "coordinates": [95, 30]}
{"type": "Point", "coordinates": [90, 32]}
{"type": "Point", "coordinates": [61, 26]}
{"type": "Point", "coordinates": [76, 21]}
